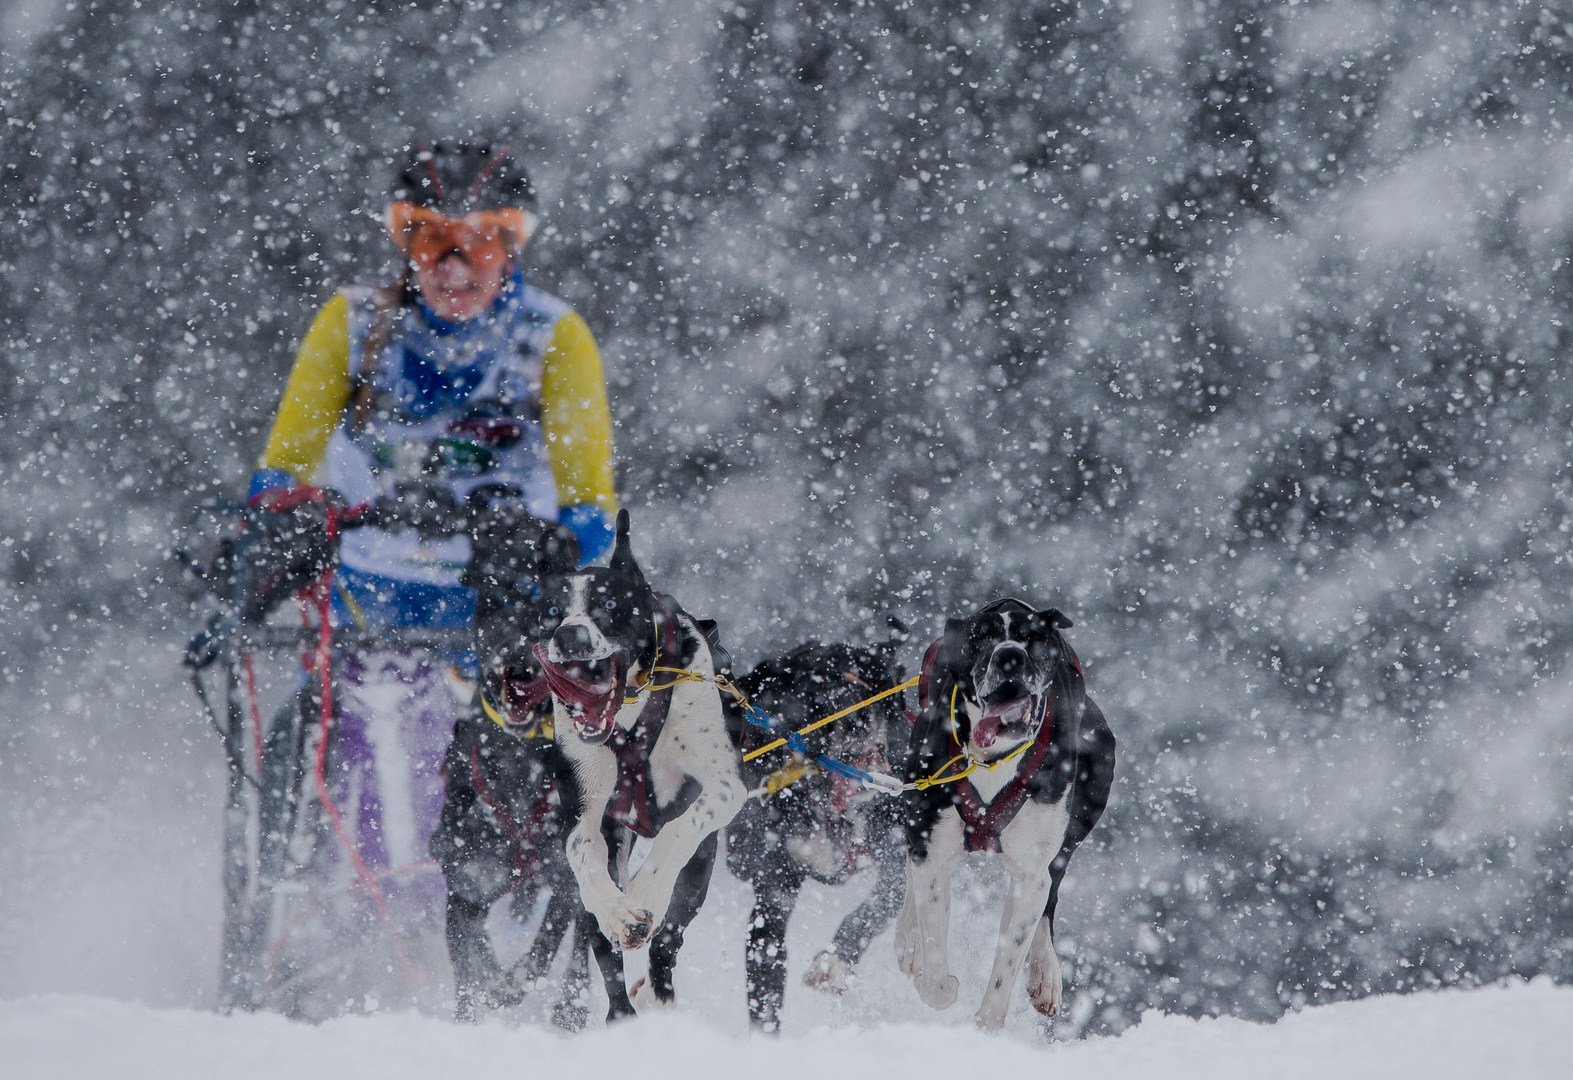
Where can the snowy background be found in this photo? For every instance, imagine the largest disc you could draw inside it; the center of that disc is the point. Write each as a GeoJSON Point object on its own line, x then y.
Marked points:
{"type": "Point", "coordinates": [1233, 328]}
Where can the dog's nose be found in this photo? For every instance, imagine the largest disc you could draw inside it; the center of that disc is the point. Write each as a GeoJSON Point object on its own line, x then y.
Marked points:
{"type": "Point", "coordinates": [1010, 661]}
{"type": "Point", "coordinates": [572, 640]}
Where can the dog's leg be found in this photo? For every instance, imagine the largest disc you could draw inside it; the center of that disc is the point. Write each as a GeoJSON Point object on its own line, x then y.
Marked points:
{"type": "Point", "coordinates": [477, 868]}
{"type": "Point", "coordinates": [478, 978]}
{"type": "Point", "coordinates": [1029, 844]}
{"type": "Point", "coordinates": [929, 882]}
{"type": "Point", "coordinates": [693, 885]}
{"type": "Point", "coordinates": [624, 924]}
{"type": "Point", "coordinates": [1089, 795]}
{"type": "Point", "coordinates": [866, 922]}
{"type": "Point", "coordinates": [572, 1010]}
{"type": "Point", "coordinates": [694, 747]}
{"type": "Point", "coordinates": [594, 771]}
{"type": "Point", "coordinates": [678, 841]}
{"type": "Point", "coordinates": [610, 961]}
{"type": "Point", "coordinates": [561, 910]}
{"type": "Point", "coordinates": [775, 893]}
{"type": "Point", "coordinates": [907, 940]}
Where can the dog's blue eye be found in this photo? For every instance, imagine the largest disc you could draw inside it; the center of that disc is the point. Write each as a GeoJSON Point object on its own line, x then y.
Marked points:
{"type": "Point", "coordinates": [611, 605]}
{"type": "Point", "coordinates": [552, 612]}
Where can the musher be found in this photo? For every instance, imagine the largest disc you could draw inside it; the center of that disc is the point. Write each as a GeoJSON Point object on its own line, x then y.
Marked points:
{"type": "Point", "coordinates": [455, 377]}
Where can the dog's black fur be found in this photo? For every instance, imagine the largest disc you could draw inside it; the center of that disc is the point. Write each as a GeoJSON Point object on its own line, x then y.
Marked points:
{"type": "Point", "coordinates": [815, 816]}
{"type": "Point", "coordinates": [501, 835]}
{"type": "Point", "coordinates": [993, 660]}
{"type": "Point", "coordinates": [502, 823]}
{"type": "Point", "coordinates": [607, 627]}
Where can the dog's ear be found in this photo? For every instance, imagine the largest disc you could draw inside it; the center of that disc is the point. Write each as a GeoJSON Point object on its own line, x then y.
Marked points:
{"type": "Point", "coordinates": [720, 659]}
{"type": "Point", "coordinates": [953, 657]}
{"type": "Point", "coordinates": [952, 668]}
{"type": "Point", "coordinates": [1050, 619]}
{"type": "Point", "coordinates": [556, 551]}
{"type": "Point", "coordinates": [623, 552]}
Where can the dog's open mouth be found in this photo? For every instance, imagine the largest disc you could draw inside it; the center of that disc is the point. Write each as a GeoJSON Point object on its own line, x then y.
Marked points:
{"type": "Point", "coordinates": [592, 691]}
{"type": "Point", "coordinates": [1007, 712]}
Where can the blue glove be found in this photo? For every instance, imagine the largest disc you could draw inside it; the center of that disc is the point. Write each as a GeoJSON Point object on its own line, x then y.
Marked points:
{"type": "Point", "coordinates": [264, 480]}
{"type": "Point", "coordinates": [592, 526]}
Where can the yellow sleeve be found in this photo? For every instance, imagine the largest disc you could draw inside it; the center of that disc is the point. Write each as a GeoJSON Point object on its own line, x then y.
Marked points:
{"type": "Point", "coordinates": [575, 418]}
{"type": "Point", "coordinates": [315, 395]}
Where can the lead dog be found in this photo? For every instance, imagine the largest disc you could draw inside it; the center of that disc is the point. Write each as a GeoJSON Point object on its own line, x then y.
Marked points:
{"type": "Point", "coordinates": [643, 749]}
{"type": "Point", "coordinates": [1001, 682]}
{"type": "Point", "coordinates": [810, 822]}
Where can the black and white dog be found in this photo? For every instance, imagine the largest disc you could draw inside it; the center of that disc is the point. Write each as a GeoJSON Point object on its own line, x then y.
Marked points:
{"type": "Point", "coordinates": [810, 822]}
{"type": "Point", "coordinates": [1002, 688]}
{"type": "Point", "coordinates": [501, 828]}
{"type": "Point", "coordinates": [643, 749]}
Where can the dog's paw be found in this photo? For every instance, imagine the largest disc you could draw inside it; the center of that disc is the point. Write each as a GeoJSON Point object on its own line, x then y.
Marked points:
{"type": "Point", "coordinates": [1044, 989]}
{"type": "Point", "coordinates": [937, 993]}
{"type": "Point", "coordinates": [1045, 986]}
{"type": "Point", "coordinates": [989, 1020]}
{"type": "Point", "coordinates": [627, 928]}
{"type": "Point", "coordinates": [828, 974]}
{"type": "Point", "coordinates": [643, 995]}
{"type": "Point", "coordinates": [504, 992]}
{"type": "Point", "coordinates": [570, 1016]}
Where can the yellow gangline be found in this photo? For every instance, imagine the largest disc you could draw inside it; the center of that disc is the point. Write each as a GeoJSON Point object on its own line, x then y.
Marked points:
{"type": "Point", "coordinates": [817, 724]}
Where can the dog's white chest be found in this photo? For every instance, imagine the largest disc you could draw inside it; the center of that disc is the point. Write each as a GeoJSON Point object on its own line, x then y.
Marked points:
{"type": "Point", "coordinates": [1034, 835]}
{"type": "Point", "coordinates": [988, 783]}
{"type": "Point", "coordinates": [692, 740]}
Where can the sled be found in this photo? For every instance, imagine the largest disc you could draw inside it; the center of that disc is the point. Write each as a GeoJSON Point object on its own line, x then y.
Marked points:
{"type": "Point", "coordinates": [279, 820]}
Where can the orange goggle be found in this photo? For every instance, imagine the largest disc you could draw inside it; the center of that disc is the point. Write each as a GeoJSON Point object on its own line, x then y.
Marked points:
{"type": "Point", "coordinates": [483, 237]}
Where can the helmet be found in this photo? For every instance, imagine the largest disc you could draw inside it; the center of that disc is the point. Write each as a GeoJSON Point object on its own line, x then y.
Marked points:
{"type": "Point", "coordinates": [476, 197]}
{"type": "Point", "coordinates": [455, 178]}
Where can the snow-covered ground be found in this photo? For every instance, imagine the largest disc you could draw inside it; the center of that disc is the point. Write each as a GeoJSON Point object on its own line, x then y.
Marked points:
{"type": "Point", "coordinates": [1519, 1031]}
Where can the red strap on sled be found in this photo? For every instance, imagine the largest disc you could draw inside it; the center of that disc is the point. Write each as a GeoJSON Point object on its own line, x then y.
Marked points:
{"type": "Point", "coordinates": [320, 593]}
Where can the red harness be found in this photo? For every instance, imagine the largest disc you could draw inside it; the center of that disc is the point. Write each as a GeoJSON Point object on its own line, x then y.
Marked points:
{"type": "Point", "coordinates": [522, 837]}
{"type": "Point", "coordinates": [982, 822]}
{"type": "Point", "coordinates": [631, 798]}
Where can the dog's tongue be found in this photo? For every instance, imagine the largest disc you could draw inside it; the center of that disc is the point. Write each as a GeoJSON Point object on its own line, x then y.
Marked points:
{"type": "Point", "coordinates": [987, 729]}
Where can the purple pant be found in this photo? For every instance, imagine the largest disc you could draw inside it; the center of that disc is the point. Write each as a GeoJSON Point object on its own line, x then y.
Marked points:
{"type": "Point", "coordinates": [396, 715]}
